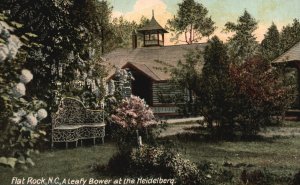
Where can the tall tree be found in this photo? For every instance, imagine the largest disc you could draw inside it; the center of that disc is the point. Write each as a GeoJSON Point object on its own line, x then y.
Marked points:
{"type": "Point", "coordinates": [290, 35]}
{"type": "Point", "coordinates": [214, 90]}
{"type": "Point", "coordinates": [192, 21]}
{"type": "Point", "coordinates": [270, 45]}
{"type": "Point", "coordinates": [123, 30]}
{"type": "Point", "coordinates": [94, 16]}
{"type": "Point", "coordinates": [64, 31]}
{"type": "Point", "coordinates": [242, 44]}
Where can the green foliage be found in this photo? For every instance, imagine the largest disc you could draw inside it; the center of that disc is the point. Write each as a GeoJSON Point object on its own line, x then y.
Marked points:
{"type": "Point", "coordinates": [192, 21]}
{"type": "Point", "coordinates": [67, 33]}
{"type": "Point", "coordinates": [157, 162]}
{"type": "Point", "coordinates": [257, 177]}
{"type": "Point", "coordinates": [276, 43]}
{"type": "Point", "coordinates": [289, 36]}
{"type": "Point", "coordinates": [93, 18]}
{"type": "Point", "coordinates": [186, 76]}
{"type": "Point", "coordinates": [133, 119]}
{"type": "Point", "coordinates": [18, 113]}
{"type": "Point", "coordinates": [239, 98]}
{"type": "Point", "coordinates": [242, 44]}
{"type": "Point", "coordinates": [259, 94]}
{"type": "Point", "coordinates": [271, 43]}
{"type": "Point", "coordinates": [122, 30]}
{"type": "Point", "coordinates": [214, 90]}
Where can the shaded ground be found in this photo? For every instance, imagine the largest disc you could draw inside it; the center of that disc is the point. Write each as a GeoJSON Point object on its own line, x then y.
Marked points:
{"type": "Point", "coordinates": [277, 149]}
{"type": "Point", "coordinates": [289, 129]}
{"type": "Point", "coordinates": [71, 163]}
{"type": "Point", "coordinates": [279, 152]}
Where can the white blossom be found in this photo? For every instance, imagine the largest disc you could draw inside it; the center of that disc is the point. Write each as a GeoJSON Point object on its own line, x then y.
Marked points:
{"type": "Point", "coordinates": [31, 119]}
{"type": "Point", "coordinates": [15, 41]}
{"type": "Point", "coordinates": [16, 117]}
{"type": "Point", "coordinates": [21, 112]}
{"type": "Point", "coordinates": [2, 56]}
{"type": "Point", "coordinates": [5, 26]}
{"type": "Point", "coordinates": [26, 76]}
{"type": "Point", "coordinates": [111, 87]}
{"type": "Point", "coordinates": [12, 51]}
{"type": "Point", "coordinates": [3, 52]}
{"type": "Point", "coordinates": [13, 45]}
{"type": "Point", "coordinates": [19, 90]}
{"type": "Point", "coordinates": [42, 113]}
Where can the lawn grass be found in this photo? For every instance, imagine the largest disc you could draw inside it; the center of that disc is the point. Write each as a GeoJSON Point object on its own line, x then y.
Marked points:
{"type": "Point", "coordinates": [63, 163]}
{"type": "Point", "coordinates": [278, 154]}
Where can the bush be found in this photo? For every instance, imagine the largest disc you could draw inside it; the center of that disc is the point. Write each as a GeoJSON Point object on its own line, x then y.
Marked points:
{"type": "Point", "coordinates": [257, 177]}
{"type": "Point", "coordinates": [18, 115]}
{"type": "Point", "coordinates": [296, 179]}
{"type": "Point", "coordinates": [132, 118]}
{"type": "Point", "coordinates": [156, 162]}
{"type": "Point", "coordinates": [259, 95]}
{"type": "Point", "coordinates": [239, 98]}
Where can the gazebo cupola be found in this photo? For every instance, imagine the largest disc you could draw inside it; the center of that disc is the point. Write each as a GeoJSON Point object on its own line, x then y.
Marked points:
{"type": "Point", "coordinates": [153, 33]}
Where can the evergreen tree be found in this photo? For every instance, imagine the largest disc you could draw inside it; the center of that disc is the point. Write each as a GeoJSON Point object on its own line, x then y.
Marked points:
{"type": "Point", "coordinates": [270, 45]}
{"type": "Point", "coordinates": [214, 91]}
{"type": "Point", "coordinates": [242, 44]}
{"type": "Point", "coordinates": [289, 36]}
{"type": "Point", "coordinates": [192, 21]}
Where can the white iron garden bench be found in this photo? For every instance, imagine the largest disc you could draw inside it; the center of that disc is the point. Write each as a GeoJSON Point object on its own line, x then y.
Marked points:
{"type": "Point", "coordinates": [73, 122]}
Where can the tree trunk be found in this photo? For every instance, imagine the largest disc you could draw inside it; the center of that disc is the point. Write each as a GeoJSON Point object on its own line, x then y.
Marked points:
{"type": "Point", "coordinates": [191, 34]}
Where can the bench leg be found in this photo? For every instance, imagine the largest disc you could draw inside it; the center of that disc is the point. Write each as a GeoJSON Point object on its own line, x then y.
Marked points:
{"type": "Point", "coordinates": [52, 145]}
{"type": "Point", "coordinates": [94, 139]}
{"type": "Point", "coordinates": [81, 142]}
{"type": "Point", "coordinates": [76, 143]}
{"type": "Point", "coordinates": [66, 145]}
{"type": "Point", "coordinates": [102, 140]}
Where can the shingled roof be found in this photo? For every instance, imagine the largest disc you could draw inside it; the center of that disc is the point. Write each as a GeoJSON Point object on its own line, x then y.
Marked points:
{"type": "Point", "coordinates": [291, 55]}
{"type": "Point", "coordinates": [152, 61]}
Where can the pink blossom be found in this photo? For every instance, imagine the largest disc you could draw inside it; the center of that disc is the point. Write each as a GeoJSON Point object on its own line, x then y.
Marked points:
{"type": "Point", "coordinates": [133, 112]}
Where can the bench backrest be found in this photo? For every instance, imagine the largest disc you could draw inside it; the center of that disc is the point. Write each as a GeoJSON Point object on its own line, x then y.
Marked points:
{"type": "Point", "coordinates": [72, 112]}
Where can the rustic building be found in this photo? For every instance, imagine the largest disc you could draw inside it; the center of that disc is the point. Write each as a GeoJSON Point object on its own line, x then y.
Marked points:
{"type": "Point", "coordinates": [291, 60]}
{"type": "Point", "coordinates": [150, 66]}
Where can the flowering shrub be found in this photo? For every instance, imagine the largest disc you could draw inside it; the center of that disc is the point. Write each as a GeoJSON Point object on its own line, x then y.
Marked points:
{"type": "Point", "coordinates": [10, 44]}
{"type": "Point", "coordinates": [18, 116]}
{"type": "Point", "coordinates": [133, 113]}
{"type": "Point", "coordinates": [132, 118]}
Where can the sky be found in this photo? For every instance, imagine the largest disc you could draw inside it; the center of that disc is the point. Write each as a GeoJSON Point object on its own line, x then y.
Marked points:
{"type": "Point", "coordinates": [281, 12]}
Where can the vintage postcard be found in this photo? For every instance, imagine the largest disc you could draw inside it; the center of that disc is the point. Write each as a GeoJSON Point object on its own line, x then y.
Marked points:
{"type": "Point", "coordinates": [154, 92]}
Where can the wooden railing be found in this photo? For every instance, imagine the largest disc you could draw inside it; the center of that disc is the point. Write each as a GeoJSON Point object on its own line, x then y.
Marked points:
{"type": "Point", "coordinates": [164, 109]}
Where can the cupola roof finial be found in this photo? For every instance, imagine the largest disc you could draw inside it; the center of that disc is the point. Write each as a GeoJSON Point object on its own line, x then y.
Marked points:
{"type": "Point", "coordinates": [152, 13]}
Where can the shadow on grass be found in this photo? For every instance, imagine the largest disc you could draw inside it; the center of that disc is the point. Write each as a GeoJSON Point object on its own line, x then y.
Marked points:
{"type": "Point", "coordinates": [202, 134]}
